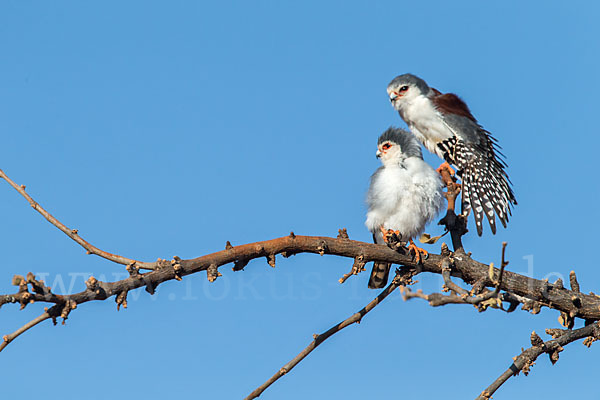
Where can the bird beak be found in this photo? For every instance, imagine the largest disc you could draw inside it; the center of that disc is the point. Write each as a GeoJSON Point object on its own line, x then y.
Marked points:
{"type": "Point", "coordinates": [378, 154]}
{"type": "Point", "coordinates": [393, 96]}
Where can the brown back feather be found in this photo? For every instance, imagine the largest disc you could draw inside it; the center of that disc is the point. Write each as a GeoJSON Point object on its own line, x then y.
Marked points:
{"type": "Point", "coordinates": [449, 103]}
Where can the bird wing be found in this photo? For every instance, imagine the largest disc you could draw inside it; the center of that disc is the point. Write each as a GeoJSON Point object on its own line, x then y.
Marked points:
{"type": "Point", "coordinates": [449, 103]}
{"type": "Point", "coordinates": [480, 163]}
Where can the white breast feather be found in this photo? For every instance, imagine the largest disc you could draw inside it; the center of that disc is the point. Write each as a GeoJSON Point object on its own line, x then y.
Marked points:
{"type": "Point", "coordinates": [404, 199]}
{"type": "Point", "coordinates": [425, 122]}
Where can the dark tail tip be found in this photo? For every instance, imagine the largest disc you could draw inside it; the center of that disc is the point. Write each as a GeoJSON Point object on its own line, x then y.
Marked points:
{"type": "Point", "coordinates": [379, 275]}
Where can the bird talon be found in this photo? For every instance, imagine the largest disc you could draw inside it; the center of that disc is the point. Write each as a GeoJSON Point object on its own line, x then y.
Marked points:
{"type": "Point", "coordinates": [445, 167]}
{"type": "Point", "coordinates": [419, 253]}
{"type": "Point", "coordinates": [390, 236]}
{"type": "Point", "coordinates": [383, 232]}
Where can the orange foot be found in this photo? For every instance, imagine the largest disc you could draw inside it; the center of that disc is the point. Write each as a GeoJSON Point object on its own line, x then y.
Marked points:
{"type": "Point", "coordinates": [420, 254]}
{"type": "Point", "coordinates": [445, 167]}
{"type": "Point", "coordinates": [383, 231]}
{"type": "Point", "coordinates": [448, 177]}
{"type": "Point", "coordinates": [390, 235]}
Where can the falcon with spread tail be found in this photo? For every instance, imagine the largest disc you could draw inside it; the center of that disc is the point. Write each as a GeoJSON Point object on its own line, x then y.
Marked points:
{"type": "Point", "coordinates": [405, 195]}
{"type": "Point", "coordinates": [445, 125]}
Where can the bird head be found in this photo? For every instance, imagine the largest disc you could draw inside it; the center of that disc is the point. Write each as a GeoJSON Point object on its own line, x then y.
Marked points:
{"type": "Point", "coordinates": [404, 88]}
{"type": "Point", "coordinates": [396, 145]}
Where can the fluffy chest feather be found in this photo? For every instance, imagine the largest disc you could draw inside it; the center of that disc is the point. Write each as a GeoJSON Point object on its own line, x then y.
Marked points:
{"type": "Point", "coordinates": [404, 197]}
{"type": "Point", "coordinates": [389, 188]}
{"type": "Point", "coordinates": [425, 122]}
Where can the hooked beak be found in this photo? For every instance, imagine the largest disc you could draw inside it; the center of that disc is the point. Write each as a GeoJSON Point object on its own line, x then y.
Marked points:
{"type": "Point", "coordinates": [394, 96]}
{"type": "Point", "coordinates": [378, 154]}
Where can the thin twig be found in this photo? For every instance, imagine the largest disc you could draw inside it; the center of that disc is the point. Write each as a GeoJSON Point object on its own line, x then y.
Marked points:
{"type": "Point", "coordinates": [438, 299]}
{"type": "Point", "coordinates": [462, 296]}
{"type": "Point", "coordinates": [525, 360]}
{"type": "Point", "coordinates": [72, 233]}
{"type": "Point", "coordinates": [446, 271]}
{"type": "Point", "coordinates": [9, 338]}
{"type": "Point", "coordinates": [357, 268]}
{"type": "Point", "coordinates": [318, 339]}
{"type": "Point", "coordinates": [503, 264]}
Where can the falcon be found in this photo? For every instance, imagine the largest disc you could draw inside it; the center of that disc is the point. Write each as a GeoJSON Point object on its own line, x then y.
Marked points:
{"type": "Point", "coordinates": [445, 125]}
{"type": "Point", "coordinates": [404, 195]}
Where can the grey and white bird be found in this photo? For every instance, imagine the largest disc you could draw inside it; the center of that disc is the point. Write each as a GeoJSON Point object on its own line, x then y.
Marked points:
{"type": "Point", "coordinates": [445, 125]}
{"type": "Point", "coordinates": [404, 195]}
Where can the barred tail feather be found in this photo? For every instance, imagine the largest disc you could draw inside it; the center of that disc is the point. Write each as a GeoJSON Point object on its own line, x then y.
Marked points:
{"type": "Point", "coordinates": [487, 191]}
{"type": "Point", "coordinates": [488, 208]}
{"type": "Point", "coordinates": [501, 191]}
{"type": "Point", "coordinates": [466, 195]}
{"type": "Point", "coordinates": [381, 270]}
{"type": "Point", "coordinates": [379, 275]}
{"type": "Point", "coordinates": [469, 184]}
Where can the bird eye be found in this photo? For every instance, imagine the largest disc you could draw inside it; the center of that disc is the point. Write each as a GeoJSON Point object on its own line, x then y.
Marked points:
{"type": "Point", "coordinates": [386, 146]}
{"type": "Point", "coordinates": [404, 88]}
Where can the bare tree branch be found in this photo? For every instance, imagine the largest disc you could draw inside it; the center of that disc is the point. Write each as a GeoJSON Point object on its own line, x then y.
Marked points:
{"type": "Point", "coordinates": [402, 278]}
{"type": "Point", "coordinates": [6, 339]}
{"type": "Point", "coordinates": [72, 233]}
{"type": "Point", "coordinates": [462, 296]}
{"type": "Point", "coordinates": [525, 360]}
{"type": "Point", "coordinates": [587, 306]}
{"type": "Point", "coordinates": [467, 269]}
{"type": "Point", "coordinates": [507, 286]}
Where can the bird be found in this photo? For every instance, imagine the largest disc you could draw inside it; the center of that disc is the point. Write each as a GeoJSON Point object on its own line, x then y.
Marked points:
{"type": "Point", "coordinates": [445, 125]}
{"type": "Point", "coordinates": [405, 193]}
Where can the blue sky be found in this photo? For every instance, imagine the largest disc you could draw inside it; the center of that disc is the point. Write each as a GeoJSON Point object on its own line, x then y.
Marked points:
{"type": "Point", "coordinates": [168, 128]}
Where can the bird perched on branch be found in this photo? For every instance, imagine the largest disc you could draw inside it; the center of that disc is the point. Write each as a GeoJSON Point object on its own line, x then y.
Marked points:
{"type": "Point", "coordinates": [404, 195]}
{"type": "Point", "coordinates": [445, 125]}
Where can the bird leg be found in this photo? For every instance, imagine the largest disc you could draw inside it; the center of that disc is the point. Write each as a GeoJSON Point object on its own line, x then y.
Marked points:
{"type": "Point", "coordinates": [456, 224]}
{"type": "Point", "coordinates": [445, 166]}
{"type": "Point", "coordinates": [452, 188]}
{"type": "Point", "coordinates": [420, 254]}
{"type": "Point", "coordinates": [447, 173]}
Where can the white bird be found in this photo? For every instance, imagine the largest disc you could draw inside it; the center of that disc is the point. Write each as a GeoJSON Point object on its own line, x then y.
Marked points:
{"type": "Point", "coordinates": [405, 194]}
